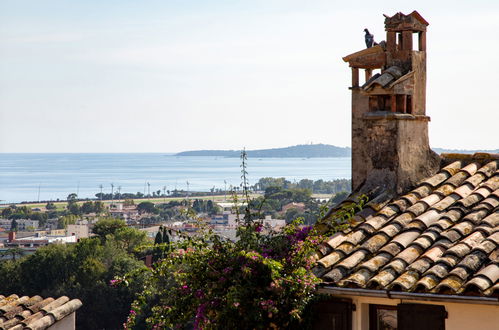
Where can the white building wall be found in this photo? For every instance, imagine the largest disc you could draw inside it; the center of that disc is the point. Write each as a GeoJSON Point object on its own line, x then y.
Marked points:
{"type": "Point", "coordinates": [67, 323]}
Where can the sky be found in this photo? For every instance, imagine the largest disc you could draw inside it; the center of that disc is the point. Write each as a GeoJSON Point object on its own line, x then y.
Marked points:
{"type": "Point", "coordinates": [175, 75]}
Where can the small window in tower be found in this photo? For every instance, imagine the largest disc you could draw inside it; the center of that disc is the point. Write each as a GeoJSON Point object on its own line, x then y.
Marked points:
{"type": "Point", "coordinates": [415, 41]}
{"type": "Point", "coordinates": [373, 103]}
{"type": "Point", "coordinates": [381, 103]}
{"type": "Point", "coordinates": [400, 103]}
{"type": "Point", "coordinates": [409, 104]}
{"type": "Point", "coordinates": [384, 102]}
{"type": "Point", "coordinates": [399, 40]}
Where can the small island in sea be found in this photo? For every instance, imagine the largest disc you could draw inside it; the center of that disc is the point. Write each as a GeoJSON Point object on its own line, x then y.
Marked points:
{"type": "Point", "coordinates": [298, 151]}
{"type": "Point", "coordinates": [303, 151]}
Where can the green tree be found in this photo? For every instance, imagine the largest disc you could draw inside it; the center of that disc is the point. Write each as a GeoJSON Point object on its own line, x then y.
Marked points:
{"type": "Point", "coordinates": [162, 243]}
{"type": "Point", "coordinates": [50, 206]}
{"type": "Point", "coordinates": [99, 207]}
{"type": "Point", "coordinates": [7, 212]}
{"type": "Point", "coordinates": [65, 220]}
{"type": "Point", "coordinates": [72, 197]}
{"type": "Point", "coordinates": [147, 207]}
{"type": "Point", "coordinates": [107, 226]}
{"type": "Point", "coordinates": [13, 225]}
{"type": "Point", "coordinates": [87, 207]}
{"type": "Point", "coordinates": [129, 238]}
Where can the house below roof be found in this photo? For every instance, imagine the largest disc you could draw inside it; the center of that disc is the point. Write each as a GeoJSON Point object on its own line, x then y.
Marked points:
{"type": "Point", "coordinates": [423, 253]}
{"type": "Point", "coordinates": [17, 313]}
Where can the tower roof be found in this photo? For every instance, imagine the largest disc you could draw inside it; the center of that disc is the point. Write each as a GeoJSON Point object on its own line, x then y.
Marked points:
{"type": "Point", "coordinates": [401, 22]}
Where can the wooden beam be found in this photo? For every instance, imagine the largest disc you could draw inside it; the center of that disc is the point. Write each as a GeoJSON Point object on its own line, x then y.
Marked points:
{"type": "Point", "coordinates": [369, 74]}
{"type": "Point", "coordinates": [407, 40]}
{"type": "Point", "coordinates": [367, 51]}
{"type": "Point", "coordinates": [391, 41]}
{"type": "Point", "coordinates": [404, 103]}
{"type": "Point", "coordinates": [355, 77]}
{"type": "Point", "coordinates": [371, 61]}
{"type": "Point", "coordinates": [393, 103]}
{"type": "Point", "coordinates": [422, 41]}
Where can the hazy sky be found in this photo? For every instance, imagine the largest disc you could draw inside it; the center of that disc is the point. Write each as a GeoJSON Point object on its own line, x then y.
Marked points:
{"type": "Point", "coordinates": [166, 76]}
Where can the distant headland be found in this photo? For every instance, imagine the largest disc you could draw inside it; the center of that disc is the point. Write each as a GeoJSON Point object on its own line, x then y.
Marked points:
{"type": "Point", "coordinates": [299, 151]}
{"type": "Point", "coordinates": [302, 151]}
{"type": "Point", "coordinates": [462, 151]}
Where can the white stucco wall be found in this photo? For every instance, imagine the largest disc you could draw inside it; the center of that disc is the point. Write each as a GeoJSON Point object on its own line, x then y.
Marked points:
{"type": "Point", "coordinates": [67, 323]}
{"type": "Point", "coordinates": [461, 316]}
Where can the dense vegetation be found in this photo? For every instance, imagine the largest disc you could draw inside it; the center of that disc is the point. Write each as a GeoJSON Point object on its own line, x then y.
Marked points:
{"type": "Point", "coordinates": [63, 217]}
{"type": "Point", "coordinates": [315, 187]}
{"type": "Point", "coordinates": [83, 270]}
{"type": "Point", "coordinates": [261, 281]}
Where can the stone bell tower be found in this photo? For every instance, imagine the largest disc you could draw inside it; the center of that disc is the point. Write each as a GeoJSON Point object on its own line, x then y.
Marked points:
{"type": "Point", "coordinates": [390, 147]}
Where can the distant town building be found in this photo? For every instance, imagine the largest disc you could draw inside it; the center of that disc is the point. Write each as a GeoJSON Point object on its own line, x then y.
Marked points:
{"type": "Point", "coordinates": [38, 240]}
{"type": "Point", "coordinates": [22, 224]}
{"type": "Point", "coordinates": [80, 231]}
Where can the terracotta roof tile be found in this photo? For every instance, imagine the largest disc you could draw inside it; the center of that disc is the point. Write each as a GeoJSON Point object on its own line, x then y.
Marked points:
{"type": "Point", "coordinates": [392, 248]}
{"type": "Point", "coordinates": [457, 179]}
{"type": "Point", "coordinates": [34, 312]}
{"type": "Point", "coordinates": [376, 262]}
{"type": "Point", "coordinates": [331, 259]}
{"type": "Point", "coordinates": [471, 168]}
{"type": "Point", "coordinates": [442, 236]}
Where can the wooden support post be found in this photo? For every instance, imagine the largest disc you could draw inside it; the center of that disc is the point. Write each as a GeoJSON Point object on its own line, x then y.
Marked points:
{"type": "Point", "coordinates": [407, 40]}
{"type": "Point", "coordinates": [391, 41]}
{"type": "Point", "coordinates": [393, 103]}
{"type": "Point", "coordinates": [404, 103]}
{"type": "Point", "coordinates": [422, 41]}
{"type": "Point", "coordinates": [355, 77]}
{"type": "Point", "coordinates": [369, 74]}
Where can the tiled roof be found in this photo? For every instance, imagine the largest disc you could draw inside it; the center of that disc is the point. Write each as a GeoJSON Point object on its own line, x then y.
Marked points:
{"type": "Point", "coordinates": [25, 312]}
{"type": "Point", "coordinates": [441, 237]}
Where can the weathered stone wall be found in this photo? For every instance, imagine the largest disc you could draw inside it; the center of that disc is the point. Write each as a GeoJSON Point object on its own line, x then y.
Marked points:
{"type": "Point", "coordinates": [391, 151]}
{"type": "Point", "coordinates": [361, 163]}
{"type": "Point", "coordinates": [419, 93]}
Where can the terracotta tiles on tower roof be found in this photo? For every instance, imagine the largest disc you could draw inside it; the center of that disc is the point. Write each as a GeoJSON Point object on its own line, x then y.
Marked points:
{"type": "Point", "coordinates": [25, 312]}
{"type": "Point", "coordinates": [441, 237]}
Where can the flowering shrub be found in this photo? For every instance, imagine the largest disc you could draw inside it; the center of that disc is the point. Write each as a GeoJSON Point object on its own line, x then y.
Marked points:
{"type": "Point", "coordinates": [263, 280]}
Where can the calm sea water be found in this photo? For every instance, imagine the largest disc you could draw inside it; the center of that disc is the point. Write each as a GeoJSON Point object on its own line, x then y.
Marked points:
{"type": "Point", "coordinates": [32, 177]}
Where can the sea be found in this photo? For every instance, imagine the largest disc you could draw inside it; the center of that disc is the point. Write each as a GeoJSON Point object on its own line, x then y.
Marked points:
{"type": "Point", "coordinates": [43, 177]}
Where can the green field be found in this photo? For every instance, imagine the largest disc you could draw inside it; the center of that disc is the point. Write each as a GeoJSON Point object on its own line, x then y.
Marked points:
{"type": "Point", "coordinates": [157, 200]}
